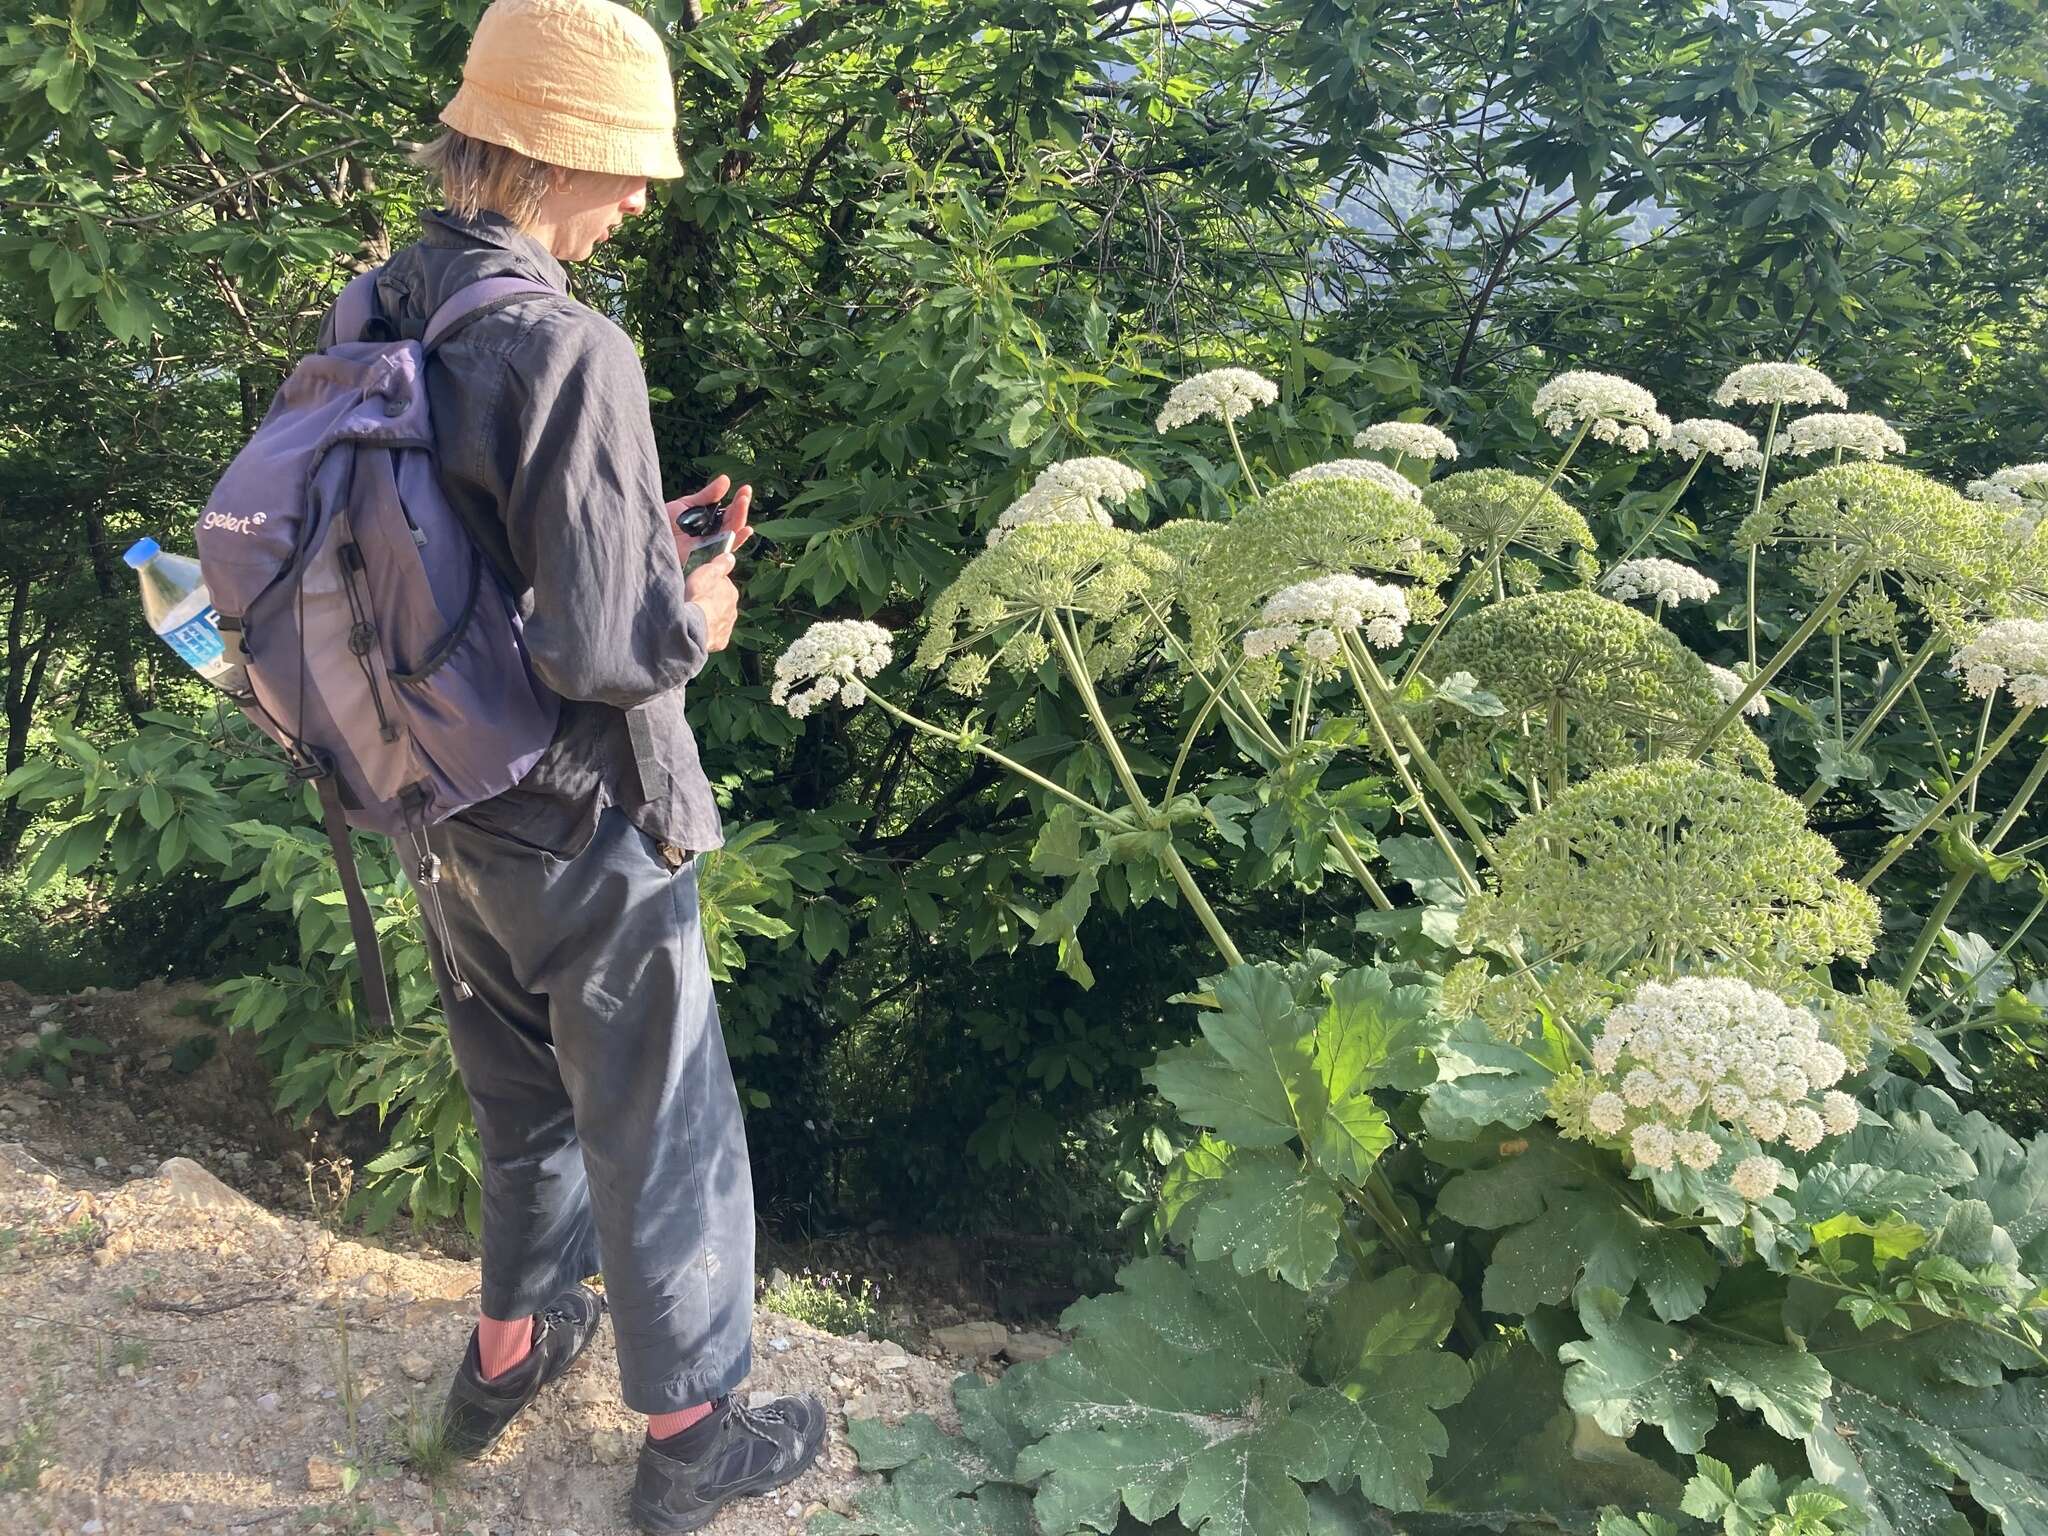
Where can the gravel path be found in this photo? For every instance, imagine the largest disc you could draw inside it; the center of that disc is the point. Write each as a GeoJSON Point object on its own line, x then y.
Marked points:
{"type": "Point", "coordinates": [175, 1358]}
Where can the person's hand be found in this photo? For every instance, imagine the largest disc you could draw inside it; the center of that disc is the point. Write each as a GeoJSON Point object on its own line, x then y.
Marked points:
{"type": "Point", "coordinates": [711, 588]}
{"type": "Point", "coordinates": [732, 520]}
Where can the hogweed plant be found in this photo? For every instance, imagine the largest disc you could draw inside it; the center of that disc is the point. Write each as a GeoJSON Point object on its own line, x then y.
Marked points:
{"type": "Point", "coordinates": [1628, 1132]}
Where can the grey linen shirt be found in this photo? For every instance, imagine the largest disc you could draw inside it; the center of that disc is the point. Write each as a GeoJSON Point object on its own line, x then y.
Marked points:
{"type": "Point", "coordinates": [546, 453]}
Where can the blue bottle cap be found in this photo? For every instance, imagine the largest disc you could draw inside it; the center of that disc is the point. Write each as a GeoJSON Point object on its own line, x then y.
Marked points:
{"type": "Point", "coordinates": [141, 552]}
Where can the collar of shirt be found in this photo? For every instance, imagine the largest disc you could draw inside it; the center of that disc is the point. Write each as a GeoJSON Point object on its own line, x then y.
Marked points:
{"type": "Point", "coordinates": [493, 229]}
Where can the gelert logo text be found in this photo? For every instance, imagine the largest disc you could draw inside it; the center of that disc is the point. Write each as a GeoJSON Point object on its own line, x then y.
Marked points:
{"type": "Point", "coordinates": [228, 524]}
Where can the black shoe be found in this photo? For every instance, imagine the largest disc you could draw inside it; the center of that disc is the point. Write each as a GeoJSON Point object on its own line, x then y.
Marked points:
{"type": "Point", "coordinates": [478, 1410]}
{"type": "Point", "coordinates": [747, 1451]}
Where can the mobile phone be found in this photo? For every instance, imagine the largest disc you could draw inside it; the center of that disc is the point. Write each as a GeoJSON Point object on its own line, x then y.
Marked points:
{"type": "Point", "coordinates": [710, 549]}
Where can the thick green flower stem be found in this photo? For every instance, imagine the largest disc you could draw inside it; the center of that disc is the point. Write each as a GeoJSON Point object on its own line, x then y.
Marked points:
{"type": "Point", "coordinates": [1366, 672]}
{"type": "Point", "coordinates": [2012, 941]}
{"type": "Point", "coordinates": [1355, 862]}
{"type": "Point", "coordinates": [1244, 717]}
{"type": "Point", "coordinates": [1895, 691]}
{"type": "Point", "coordinates": [1238, 448]}
{"type": "Point", "coordinates": [1070, 652]}
{"type": "Point", "coordinates": [953, 738]}
{"type": "Point", "coordinates": [1670, 505]}
{"type": "Point", "coordinates": [1478, 574]}
{"type": "Point", "coordinates": [1763, 476]}
{"type": "Point", "coordinates": [1958, 883]}
{"type": "Point", "coordinates": [1761, 680]}
{"type": "Point", "coordinates": [1393, 751]}
{"type": "Point", "coordinates": [1201, 718]}
{"type": "Point", "coordinates": [1983, 727]}
{"type": "Point", "coordinates": [1905, 840]}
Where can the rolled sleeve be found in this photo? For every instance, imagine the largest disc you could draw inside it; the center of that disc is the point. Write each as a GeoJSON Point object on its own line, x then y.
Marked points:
{"type": "Point", "coordinates": [569, 453]}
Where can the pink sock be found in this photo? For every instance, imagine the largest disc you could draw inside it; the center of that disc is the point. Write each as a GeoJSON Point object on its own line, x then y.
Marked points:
{"type": "Point", "coordinates": [661, 1425]}
{"type": "Point", "coordinates": [500, 1346]}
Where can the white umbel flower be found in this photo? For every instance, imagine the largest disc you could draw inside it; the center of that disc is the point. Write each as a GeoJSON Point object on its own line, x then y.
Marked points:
{"type": "Point", "coordinates": [1607, 1113]}
{"type": "Point", "coordinates": [1679, 1057]}
{"type": "Point", "coordinates": [1653, 1145]}
{"type": "Point", "coordinates": [830, 660]}
{"type": "Point", "coordinates": [1697, 1150]}
{"type": "Point", "coordinates": [2022, 488]}
{"type": "Point", "coordinates": [1757, 1178]}
{"type": "Point", "coordinates": [1729, 684]}
{"type": "Point", "coordinates": [1727, 442]}
{"type": "Point", "coordinates": [1361, 469]}
{"type": "Point", "coordinates": [2011, 654]}
{"type": "Point", "coordinates": [1071, 491]}
{"type": "Point", "coordinates": [1779, 384]}
{"type": "Point", "coordinates": [1225, 393]}
{"type": "Point", "coordinates": [1665, 580]}
{"type": "Point", "coordinates": [1853, 433]}
{"type": "Point", "coordinates": [1839, 1113]}
{"type": "Point", "coordinates": [1410, 439]}
{"type": "Point", "coordinates": [1312, 614]}
{"type": "Point", "coordinates": [1611, 409]}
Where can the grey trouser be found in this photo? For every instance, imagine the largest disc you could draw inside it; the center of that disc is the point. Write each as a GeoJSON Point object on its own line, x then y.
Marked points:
{"type": "Point", "coordinates": [611, 1130]}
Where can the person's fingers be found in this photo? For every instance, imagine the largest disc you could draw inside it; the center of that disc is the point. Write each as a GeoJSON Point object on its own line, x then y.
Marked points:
{"type": "Point", "coordinates": [736, 516]}
{"type": "Point", "coordinates": [713, 492]}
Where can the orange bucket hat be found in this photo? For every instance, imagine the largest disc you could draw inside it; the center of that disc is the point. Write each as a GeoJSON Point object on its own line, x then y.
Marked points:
{"type": "Point", "coordinates": [583, 84]}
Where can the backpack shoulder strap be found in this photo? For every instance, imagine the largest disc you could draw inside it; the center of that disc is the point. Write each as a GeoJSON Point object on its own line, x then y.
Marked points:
{"type": "Point", "coordinates": [477, 300]}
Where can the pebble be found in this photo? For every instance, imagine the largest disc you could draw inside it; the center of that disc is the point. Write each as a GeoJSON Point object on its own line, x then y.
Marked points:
{"type": "Point", "coordinates": [322, 1474]}
{"type": "Point", "coordinates": [42, 1010]}
{"type": "Point", "coordinates": [417, 1367]}
{"type": "Point", "coordinates": [101, 1162]}
{"type": "Point", "coordinates": [780, 1345]}
{"type": "Point", "coordinates": [125, 1372]}
{"type": "Point", "coordinates": [612, 1446]}
{"type": "Point", "coordinates": [891, 1356]}
{"type": "Point", "coordinates": [267, 1403]}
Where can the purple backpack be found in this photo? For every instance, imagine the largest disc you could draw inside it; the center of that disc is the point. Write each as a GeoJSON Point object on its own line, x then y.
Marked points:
{"type": "Point", "coordinates": [383, 649]}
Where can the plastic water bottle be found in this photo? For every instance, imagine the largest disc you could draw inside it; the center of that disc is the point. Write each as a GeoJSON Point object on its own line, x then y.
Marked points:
{"type": "Point", "coordinates": [181, 611]}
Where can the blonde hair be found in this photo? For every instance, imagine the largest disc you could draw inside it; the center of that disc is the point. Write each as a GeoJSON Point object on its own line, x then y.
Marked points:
{"type": "Point", "coordinates": [477, 177]}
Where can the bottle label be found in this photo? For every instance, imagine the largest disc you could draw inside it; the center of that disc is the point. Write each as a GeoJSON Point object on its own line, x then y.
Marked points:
{"type": "Point", "coordinates": [198, 641]}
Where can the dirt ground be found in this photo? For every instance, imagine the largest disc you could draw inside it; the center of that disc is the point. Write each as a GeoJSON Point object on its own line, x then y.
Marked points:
{"type": "Point", "coordinates": [179, 1359]}
{"type": "Point", "coordinates": [190, 1343]}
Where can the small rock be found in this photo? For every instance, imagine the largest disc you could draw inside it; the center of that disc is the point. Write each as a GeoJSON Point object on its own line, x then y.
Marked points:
{"type": "Point", "coordinates": [322, 1475]}
{"type": "Point", "coordinates": [417, 1367]}
{"type": "Point", "coordinates": [27, 1041]}
{"type": "Point", "coordinates": [587, 1387]}
{"type": "Point", "coordinates": [42, 1010]}
{"type": "Point", "coordinates": [414, 1489]}
{"type": "Point", "coordinates": [839, 1504]}
{"type": "Point", "coordinates": [780, 1345]}
{"type": "Point", "coordinates": [841, 1383]}
{"type": "Point", "coordinates": [101, 1162]}
{"type": "Point", "coordinates": [267, 1403]}
{"type": "Point", "coordinates": [125, 1372]}
{"type": "Point", "coordinates": [1033, 1346]}
{"type": "Point", "coordinates": [612, 1446]}
{"type": "Point", "coordinates": [92, 1527]}
{"type": "Point", "coordinates": [863, 1407]}
{"type": "Point", "coordinates": [193, 1185]}
{"type": "Point", "coordinates": [136, 1170]}
{"type": "Point", "coordinates": [972, 1340]}
{"type": "Point", "coordinates": [891, 1356]}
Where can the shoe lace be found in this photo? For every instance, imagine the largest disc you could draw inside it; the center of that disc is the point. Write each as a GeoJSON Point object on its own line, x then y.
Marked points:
{"type": "Point", "coordinates": [756, 1420]}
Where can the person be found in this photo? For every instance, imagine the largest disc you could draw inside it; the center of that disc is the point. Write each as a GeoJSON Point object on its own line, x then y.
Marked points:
{"type": "Point", "coordinates": [584, 1024]}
